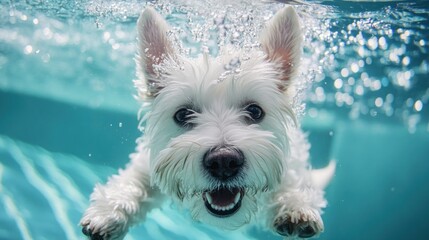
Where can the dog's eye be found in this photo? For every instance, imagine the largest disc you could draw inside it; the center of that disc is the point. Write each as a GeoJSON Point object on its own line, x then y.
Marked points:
{"type": "Point", "coordinates": [183, 117]}
{"type": "Point", "coordinates": [255, 113]}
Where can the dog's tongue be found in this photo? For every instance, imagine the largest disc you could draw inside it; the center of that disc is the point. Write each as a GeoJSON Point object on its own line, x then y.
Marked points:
{"type": "Point", "coordinates": [223, 196]}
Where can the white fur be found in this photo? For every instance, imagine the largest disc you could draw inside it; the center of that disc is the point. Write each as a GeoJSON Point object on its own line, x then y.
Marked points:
{"type": "Point", "coordinates": [168, 163]}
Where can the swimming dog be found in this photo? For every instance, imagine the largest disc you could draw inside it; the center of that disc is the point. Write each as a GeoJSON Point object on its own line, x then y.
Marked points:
{"type": "Point", "coordinates": [220, 138]}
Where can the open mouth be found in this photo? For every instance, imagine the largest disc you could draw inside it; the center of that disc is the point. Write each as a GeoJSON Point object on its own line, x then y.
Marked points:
{"type": "Point", "coordinates": [223, 202]}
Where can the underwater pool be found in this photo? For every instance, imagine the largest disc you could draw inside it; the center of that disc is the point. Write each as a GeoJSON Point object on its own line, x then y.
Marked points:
{"type": "Point", "coordinates": [68, 119]}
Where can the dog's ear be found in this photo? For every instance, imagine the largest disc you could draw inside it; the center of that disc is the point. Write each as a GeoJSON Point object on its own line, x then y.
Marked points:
{"type": "Point", "coordinates": [154, 47]}
{"type": "Point", "coordinates": [281, 41]}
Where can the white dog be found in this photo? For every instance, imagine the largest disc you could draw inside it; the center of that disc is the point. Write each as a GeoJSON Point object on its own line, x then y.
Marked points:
{"type": "Point", "coordinates": [221, 139]}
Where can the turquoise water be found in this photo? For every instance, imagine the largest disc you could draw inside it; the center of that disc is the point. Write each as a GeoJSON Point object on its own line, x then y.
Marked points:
{"type": "Point", "coordinates": [68, 116]}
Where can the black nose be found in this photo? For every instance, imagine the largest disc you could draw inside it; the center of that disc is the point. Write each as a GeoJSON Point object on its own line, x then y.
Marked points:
{"type": "Point", "coordinates": [223, 163]}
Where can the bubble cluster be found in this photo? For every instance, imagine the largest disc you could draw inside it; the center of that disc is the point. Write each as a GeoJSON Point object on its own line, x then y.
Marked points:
{"type": "Point", "coordinates": [231, 68]}
{"type": "Point", "coordinates": [361, 63]}
{"type": "Point", "coordinates": [379, 68]}
{"type": "Point", "coordinates": [213, 26]}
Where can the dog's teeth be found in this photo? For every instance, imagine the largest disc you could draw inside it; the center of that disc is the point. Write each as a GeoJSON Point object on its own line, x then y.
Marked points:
{"type": "Point", "coordinates": [209, 198]}
{"type": "Point", "coordinates": [237, 198]}
{"type": "Point", "coordinates": [222, 208]}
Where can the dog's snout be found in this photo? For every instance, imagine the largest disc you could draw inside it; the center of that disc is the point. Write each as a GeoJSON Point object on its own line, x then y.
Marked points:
{"type": "Point", "coordinates": [223, 163]}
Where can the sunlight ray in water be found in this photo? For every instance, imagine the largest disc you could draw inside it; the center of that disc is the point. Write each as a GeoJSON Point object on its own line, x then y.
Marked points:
{"type": "Point", "coordinates": [61, 180]}
{"type": "Point", "coordinates": [58, 205]}
{"type": "Point", "coordinates": [13, 210]}
{"type": "Point", "coordinates": [67, 205]}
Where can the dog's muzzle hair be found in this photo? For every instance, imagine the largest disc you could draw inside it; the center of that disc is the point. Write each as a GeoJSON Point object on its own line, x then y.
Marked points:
{"type": "Point", "coordinates": [223, 164]}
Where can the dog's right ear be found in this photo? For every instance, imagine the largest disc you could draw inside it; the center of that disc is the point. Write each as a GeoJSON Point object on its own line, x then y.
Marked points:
{"type": "Point", "coordinates": [154, 48]}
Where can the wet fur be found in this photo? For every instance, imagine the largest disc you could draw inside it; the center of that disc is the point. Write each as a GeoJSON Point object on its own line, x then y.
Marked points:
{"type": "Point", "coordinates": [279, 184]}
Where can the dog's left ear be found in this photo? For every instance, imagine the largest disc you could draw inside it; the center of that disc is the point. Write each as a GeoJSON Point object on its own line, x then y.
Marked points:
{"type": "Point", "coordinates": [281, 41]}
{"type": "Point", "coordinates": [154, 48]}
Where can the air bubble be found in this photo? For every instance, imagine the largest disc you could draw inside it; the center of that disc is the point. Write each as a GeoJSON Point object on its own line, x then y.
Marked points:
{"type": "Point", "coordinates": [382, 43]}
{"type": "Point", "coordinates": [406, 61]}
{"type": "Point", "coordinates": [378, 102]}
{"type": "Point", "coordinates": [28, 49]}
{"type": "Point", "coordinates": [359, 90]}
{"type": "Point", "coordinates": [354, 67]}
{"type": "Point", "coordinates": [372, 43]}
{"type": "Point", "coordinates": [235, 62]}
{"type": "Point", "coordinates": [418, 105]}
{"type": "Point", "coordinates": [344, 72]}
{"type": "Point", "coordinates": [338, 83]}
{"type": "Point", "coordinates": [375, 85]}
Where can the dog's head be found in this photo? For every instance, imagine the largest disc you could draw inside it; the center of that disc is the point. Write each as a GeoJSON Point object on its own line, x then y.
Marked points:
{"type": "Point", "coordinates": [217, 129]}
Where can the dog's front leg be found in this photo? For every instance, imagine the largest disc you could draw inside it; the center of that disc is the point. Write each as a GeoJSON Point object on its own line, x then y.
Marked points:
{"type": "Point", "coordinates": [295, 210]}
{"type": "Point", "coordinates": [125, 199]}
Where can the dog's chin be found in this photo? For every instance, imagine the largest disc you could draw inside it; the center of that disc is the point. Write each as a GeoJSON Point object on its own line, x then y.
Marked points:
{"type": "Point", "coordinates": [223, 208]}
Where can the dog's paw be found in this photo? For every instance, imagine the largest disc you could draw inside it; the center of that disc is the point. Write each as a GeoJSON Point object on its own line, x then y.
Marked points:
{"type": "Point", "coordinates": [93, 236]}
{"type": "Point", "coordinates": [104, 225]}
{"type": "Point", "coordinates": [302, 224]}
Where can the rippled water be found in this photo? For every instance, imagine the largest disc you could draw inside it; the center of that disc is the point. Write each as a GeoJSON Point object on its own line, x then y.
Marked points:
{"type": "Point", "coordinates": [365, 81]}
